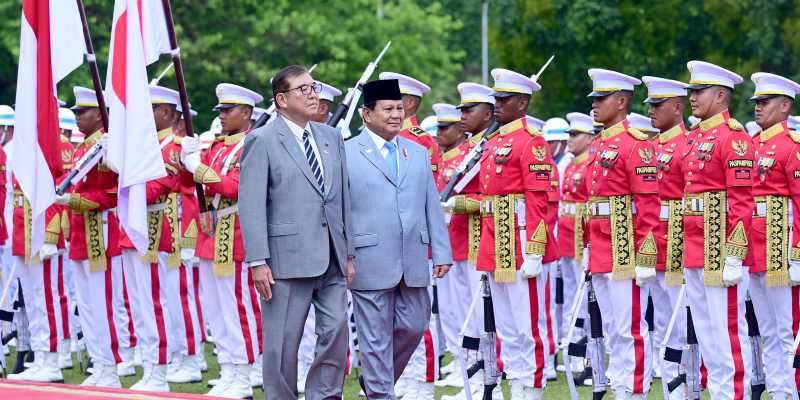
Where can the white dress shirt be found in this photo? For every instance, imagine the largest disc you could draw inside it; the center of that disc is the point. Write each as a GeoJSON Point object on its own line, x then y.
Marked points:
{"type": "Point", "coordinates": [297, 131]}
{"type": "Point", "coordinates": [380, 143]}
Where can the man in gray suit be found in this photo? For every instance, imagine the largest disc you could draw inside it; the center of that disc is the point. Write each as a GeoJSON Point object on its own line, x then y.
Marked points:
{"type": "Point", "coordinates": [295, 216]}
{"type": "Point", "coordinates": [396, 218]}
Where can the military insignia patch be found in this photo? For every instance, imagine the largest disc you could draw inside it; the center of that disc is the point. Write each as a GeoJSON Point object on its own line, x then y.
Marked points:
{"type": "Point", "coordinates": [739, 147]}
{"type": "Point", "coordinates": [646, 155]}
{"type": "Point", "coordinates": [540, 152]}
{"type": "Point", "coordinates": [66, 156]}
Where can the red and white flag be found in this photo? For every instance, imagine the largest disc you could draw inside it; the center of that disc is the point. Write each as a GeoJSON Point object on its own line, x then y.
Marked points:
{"type": "Point", "coordinates": [51, 46]}
{"type": "Point", "coordinates": [138, 36]}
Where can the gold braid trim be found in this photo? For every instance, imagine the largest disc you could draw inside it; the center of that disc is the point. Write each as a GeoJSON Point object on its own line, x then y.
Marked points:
{"type": "Point", "coordinates": [53, 230]}
{"type": "Point", "coordinates": [777, 241]}
{"type": "Point", "coordinates": [673, 275]}
{"type": "Point", "coordinates": [189, 240]}
{"type": "Point", "coordinates": [505, 256]}
{"type": "Point", "coordinates": [171, 212]}
{"type": "Point", "coordinates": [65, 223]}
{"type": "Point", "coordinates": [647, 254]}
{"type": "Point", "coordinates": [155, 224]}
{"type": "Point", "coordinates": [795, 253]}
{"type": "Point", "coordinates": [80, 204]}
{"type": "Point", "coordinates": [95, 243]}
{"type": "Point", "coordinates": [223, 242]}
{"type": "Point", "coordinates": [580, 209]}
{"type": "Point", "coordinates": [474, 236]}
{"type": "Point", "coordinates": [714, 226]}
{"type": "Point", "coordinates": [460, 206]}
{"type": "Point", "coordinates": [27, 217]}
{"type": "Point", "coordinates": [622, 245]}
{"type": "Point", "coordinates": [538, 241]}
{"type": "Point", "coordinates": [736, 245]}
{"type": "Point", "coordinates": [205, 174]}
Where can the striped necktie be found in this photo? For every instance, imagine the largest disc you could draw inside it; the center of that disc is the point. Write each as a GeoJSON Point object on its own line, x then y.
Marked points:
{"type": "Point", "coordinates": [312, 160]}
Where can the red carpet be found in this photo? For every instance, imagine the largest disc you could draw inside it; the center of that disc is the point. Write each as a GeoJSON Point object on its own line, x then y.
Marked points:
{"type": "Point", "coordinates": [50, 391]}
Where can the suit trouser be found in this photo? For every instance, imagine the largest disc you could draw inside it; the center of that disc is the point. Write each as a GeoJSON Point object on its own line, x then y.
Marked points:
{"type": "Point", "coordinates": [182, 306]}
{"type": "Point", "coordinates": [45, 302]}
{"type": "Point", "coordinates": [665, 299]}
{"type": "Point", "coordinates": [721, 328]}
{"type": "Point", "coordinates": [622, 306]}
{"type": "Point", "coordinates": [231, 307]}
{"type": "Point", "coordinates": [520, 312]}
{"type": "Point", "coordinates": [390, 323]}
{"type": "Point", "coordinates": [305, 353]}
{"type": "Point", "coordinates": [284, 317]}
{"type": "Point", "coordinates": [101, 309]}
{"type": "Point", "coordinates": [774, 314]}
{"type": "Point", "coordinates": [424, 363]}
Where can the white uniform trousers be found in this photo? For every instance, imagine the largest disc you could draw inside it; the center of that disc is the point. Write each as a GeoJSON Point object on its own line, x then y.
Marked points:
{"type": "Point", "coordinates": [665, 299]}
{"type": "Point", "coordinates": [182, 306]}
{"type": "Point", "coordinates": [424, 363]}
{"type": "Point", "coordinates": [622, 306]}
{"type": "Point", "coordinates": [774, 314]}
{"type": "Point", "coordinates": [68, 272]}
{"type": "Point", "coordinates": [572, 276]}
{"type": "Point", "coordinates": [456, 290]}
{"type": "Point", "coordinates": [101, 310]}
{"type": "Point", "coordinates": [233, 313]}
{"type": "Point", "coordinates": [45, 302]}
{"type": "Point", "coordinates": [198, 299]}
{"type": "Point", "coordinates": [521, 320]}
{"type": "Point", "coordinates": [551, 269]}
{"type": "Point", "coordinates": [721, 328]}
{"type": "Point", "coordinates": [147, 292]}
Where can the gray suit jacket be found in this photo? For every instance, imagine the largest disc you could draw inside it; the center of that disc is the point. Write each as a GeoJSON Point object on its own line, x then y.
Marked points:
{"type": "Point", "coordinates": [285, 217]}
{"type": "Point", "coordinates": [394, 222]}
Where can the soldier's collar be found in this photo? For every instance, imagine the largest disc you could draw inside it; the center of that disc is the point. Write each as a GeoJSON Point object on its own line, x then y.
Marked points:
{"type": "Point", "coordinates": [672, 133]}
{"type": "Point", "coordinates": [579, 159]}
{"type": "Point", "coordinates": [93, 138]}
{"type": "Point", "coordinates": [162, 134]}
{"type": "Point", "coordinates": [614, 130]}
{"type": "Point", "coordinates": [773, 131]}
{"type": "Point", "coordinates": [409, 122]}
{"type": "Point", "coordinates": [713, 122]}
{"type": "Point", "coordinates": [235, 138]}
{"type": "Point", "coordinates": [475, 139]}
{"type": "Point", "coordinates": [512, 126]}
{"type": "Point", "coordinates": [452, 153]}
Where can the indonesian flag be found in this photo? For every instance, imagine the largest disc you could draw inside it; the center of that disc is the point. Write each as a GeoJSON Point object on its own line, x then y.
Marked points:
{"type": "Point", "coordinates": [50, 47]}
{"type": "Point", "coordinates": [138, 36]}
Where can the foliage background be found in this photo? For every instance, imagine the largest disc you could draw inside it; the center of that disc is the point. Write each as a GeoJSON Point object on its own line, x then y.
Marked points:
{"type": "Point", "coordinates": [438, 42]}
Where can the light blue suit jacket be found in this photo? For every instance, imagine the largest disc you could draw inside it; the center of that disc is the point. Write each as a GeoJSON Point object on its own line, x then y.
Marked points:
{"type": "Point", "coordinates": [394, 221]}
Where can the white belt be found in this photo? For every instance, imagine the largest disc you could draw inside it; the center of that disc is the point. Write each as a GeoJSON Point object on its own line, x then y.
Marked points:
{"type": "Point", "coordinates": [600, 209]}
{"type": "Point", "coordinates": [156, 207]}
{"type": "Point", "coordinates": [693, 205]}
{"type": "Point", "coordinates": [227, 211]}
{"type": "Point", "coordinates": [487, 206]}
{"type": "Point", "coordinates": [568, 209]}
{"type": "Point", "coordinates": [664, 215]}
{"type": "Point", "coordinates": [760, 210]}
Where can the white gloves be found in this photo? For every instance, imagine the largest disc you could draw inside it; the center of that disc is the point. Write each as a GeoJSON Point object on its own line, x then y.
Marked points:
{"type": "Point", "coordinates": [62, 199]}
{"type": "Point", "coordinates": [645, 275]}
{"type": "Point", "coordinates": [190, 153]}
{"type": "Point", "coordinates": [187, 255]}
{"type": "Point", "coordinates": [794, 272]}
{"type": "Point", "coordinates": [532, 266]}
{"type": "Point", "coordinates": [732, 271]}
{"type": "Point", "coordinates": [448, 207]}
{"type": "Point", "coordinates": [190, 144]}
{"type": "Point", "coordinates": [47, 250]}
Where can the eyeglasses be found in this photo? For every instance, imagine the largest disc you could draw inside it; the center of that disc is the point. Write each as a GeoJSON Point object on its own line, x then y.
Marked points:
{"type": "Point", "coordinates": [306, 89]}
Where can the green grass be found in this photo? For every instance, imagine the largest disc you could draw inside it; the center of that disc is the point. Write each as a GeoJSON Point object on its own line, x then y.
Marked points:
{"type": "Point", "coordinates": [555, 390]}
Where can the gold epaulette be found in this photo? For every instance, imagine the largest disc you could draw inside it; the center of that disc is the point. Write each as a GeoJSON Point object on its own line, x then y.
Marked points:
{"type": "Point", "coordinates": [416, 131]}
{"type": "Point", "coordinates": [795, 136]}
{"type": "Point", "coordinates": [638, 135]}
{"type": "Point", "coordinates": [694, 126]}
{"type": "Point", "coordinates": [177, 140]}
{"type": "Point", "coordinates": [533, 131]}
{"type": "Point", "coordinates": [735, 125]}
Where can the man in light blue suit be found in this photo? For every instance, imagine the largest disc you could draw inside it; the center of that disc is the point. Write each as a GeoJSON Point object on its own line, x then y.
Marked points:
{"type": "Point", "coordinates": [396, 217]}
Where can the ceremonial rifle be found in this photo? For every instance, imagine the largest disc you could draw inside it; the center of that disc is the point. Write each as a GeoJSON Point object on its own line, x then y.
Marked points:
{"type": "Point", "coordinates": [577, 349]}
{"type": "Point", "coordinates": [759, 379]}
{"type": "Point", "coordinates": [346, 108]}
{"type": "Point", "coordinates": [93, 155]}
{"type": "Point", "coordinates": [692, 376]}
{"type": "Point", "coordinates": [262, 120]}
{"type": "Point", "coordinates": [468, 168]}
{"type": "Point", "coordinates": [487, 345]}
{"type": "Point", "coordinates": [597, 343]}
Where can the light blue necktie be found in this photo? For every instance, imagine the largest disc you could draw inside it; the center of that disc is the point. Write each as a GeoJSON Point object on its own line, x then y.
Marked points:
{"type": "Point", "coordinates": [391, 159]}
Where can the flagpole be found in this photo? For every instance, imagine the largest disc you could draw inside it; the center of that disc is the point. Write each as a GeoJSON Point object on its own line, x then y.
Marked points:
{"type": "Point", "coordinates": [92, 60]}
{"type": "Point", "coordinates": [187, 113]}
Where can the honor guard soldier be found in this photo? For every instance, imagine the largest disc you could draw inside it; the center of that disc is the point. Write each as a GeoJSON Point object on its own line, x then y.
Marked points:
{"type": "Point", "coordinates": [666, 99]}
{"type": "Point", "coordinates": [643, 124]}
{"type": "Point", "coordinates": [623, 217]}
{"type": "Point", "coordinates": [572, 214]}
{"type": "Point", "coordinates": [718, 205]}
{"type": "Point", "coordinates": [231, 302]}
{"type": "Point", "coordinates": [412, 91]}
{"type": "Point", "coordinates": [326, 96]}
{"type": "Point", "coordinates": [515, 241]}
{"type": "Point", "coordinates": [95, 253]}
{"type": "Point", "coordinates": [775, 274]}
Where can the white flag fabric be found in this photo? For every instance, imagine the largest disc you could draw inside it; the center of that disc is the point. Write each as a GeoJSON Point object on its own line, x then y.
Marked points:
{"type": "Point", "coordinates": [133, 148]}
{"type": "Point", "coordinates": [51, 46]}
